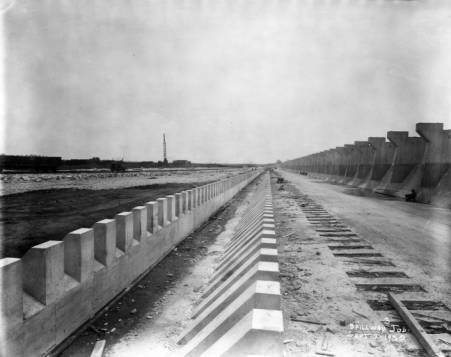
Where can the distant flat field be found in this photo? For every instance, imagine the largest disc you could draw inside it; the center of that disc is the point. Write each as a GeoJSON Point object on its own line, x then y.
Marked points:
{"type": "Point", "coordinates": [17, 183]}
{"type": "Point", "coordinates": [39, 215]}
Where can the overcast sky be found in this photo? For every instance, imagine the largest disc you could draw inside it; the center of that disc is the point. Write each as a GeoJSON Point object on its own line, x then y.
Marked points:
{"type": "Point", "coordinates": [226, 80]}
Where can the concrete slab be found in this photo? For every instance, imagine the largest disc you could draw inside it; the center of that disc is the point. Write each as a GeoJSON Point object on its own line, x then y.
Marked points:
{"type": "Point", "coordinates": [261, 271]}
{"type": "Point", "coordinates": [228, 277]}
{"type": "Point", "coordinates": [263, 242]}
{"type": "Point", "coordinates": [263, 233]}
{"type": "Point", "coordinates": [259, 332]}
{"type": "Point", "coordinates": [242, 256]}
{"type": "Point", "coordinates": [260, 294]}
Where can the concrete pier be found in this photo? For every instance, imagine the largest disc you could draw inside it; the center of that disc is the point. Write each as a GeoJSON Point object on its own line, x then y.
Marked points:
{"type": "Point", "coordinates": [405, 171]}
{"type": "Point", "coordinates": [124, 230]}
{"type": "Point", "coordinates": [162, 212]}
{"type": "Point", "coordinates": [152, 217]}
{"type": "Point", "coordinates": [380, 161]}
{"type": "Point", "coordinates": [105, 241]}
{"type": "Point", "coordinates": [171, 208]}
{"type": "Point", "coordinates": [79, 255]}
{"type": "Point", "coordinates": [139, 222]}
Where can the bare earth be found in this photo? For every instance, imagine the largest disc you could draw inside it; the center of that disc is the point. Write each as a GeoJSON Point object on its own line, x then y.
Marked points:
{"type": "Point", "coordinates": [51, 209]}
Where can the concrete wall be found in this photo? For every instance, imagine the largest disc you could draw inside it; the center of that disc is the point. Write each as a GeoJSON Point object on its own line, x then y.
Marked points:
{"type": "Point", "coordinates": [392, 167]}
{"type": "Point", "coordinates": [59, 285]}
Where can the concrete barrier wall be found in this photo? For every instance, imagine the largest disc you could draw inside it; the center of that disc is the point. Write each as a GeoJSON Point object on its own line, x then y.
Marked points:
{"type": "Point", "coordinates": [240, 314]}
{"type": "Point", "coordinates": [392, 167]}
{"type": "Point", "coordinates": [59, 285]}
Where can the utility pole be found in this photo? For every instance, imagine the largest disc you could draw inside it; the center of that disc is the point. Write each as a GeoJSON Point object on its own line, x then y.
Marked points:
{"type": "Point", "coordinates": [165, 158]}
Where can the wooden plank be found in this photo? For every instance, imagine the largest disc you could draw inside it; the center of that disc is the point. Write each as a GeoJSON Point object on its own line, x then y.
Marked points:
{"type": "Point", "coordinates": [423, 338]}
{"type": "Point", "coordinates": [98, 349]}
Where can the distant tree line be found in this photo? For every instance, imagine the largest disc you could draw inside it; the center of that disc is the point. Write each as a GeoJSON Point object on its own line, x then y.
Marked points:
{"type": "Point", "coordinates": [30, 163]}
{"type": "Point", "coordinates": [37, 163]}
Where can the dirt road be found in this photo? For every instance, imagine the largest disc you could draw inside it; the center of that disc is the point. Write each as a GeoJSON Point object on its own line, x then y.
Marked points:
{"type": "Point", "coordinates": [341, 252]}
{"type": "Point", "coordinates": [416, 236]}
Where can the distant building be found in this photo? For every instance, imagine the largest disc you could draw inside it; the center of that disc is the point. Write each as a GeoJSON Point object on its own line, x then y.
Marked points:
{"type": "Point", "coordinates": [181, 163]}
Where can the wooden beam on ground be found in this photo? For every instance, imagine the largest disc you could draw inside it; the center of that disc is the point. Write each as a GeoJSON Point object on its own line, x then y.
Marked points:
{"type": "Point", "coordinates": [98, 349]}
{"type": "Point", "coordinates": [425, 341]}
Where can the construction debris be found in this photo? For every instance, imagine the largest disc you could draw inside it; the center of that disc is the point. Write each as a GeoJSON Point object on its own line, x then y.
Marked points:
{"type": "Point", "coordinates": [297, 319]}
{"type": "Point", "coordinates": [98, 349]}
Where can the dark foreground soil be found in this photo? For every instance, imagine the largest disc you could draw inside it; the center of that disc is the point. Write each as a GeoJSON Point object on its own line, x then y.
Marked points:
{"type": "Point", "coordinates": [31, 218]}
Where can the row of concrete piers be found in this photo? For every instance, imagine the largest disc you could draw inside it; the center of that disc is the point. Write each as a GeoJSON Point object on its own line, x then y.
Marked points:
{"type": "Point", "coordinates": [395, 166]}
